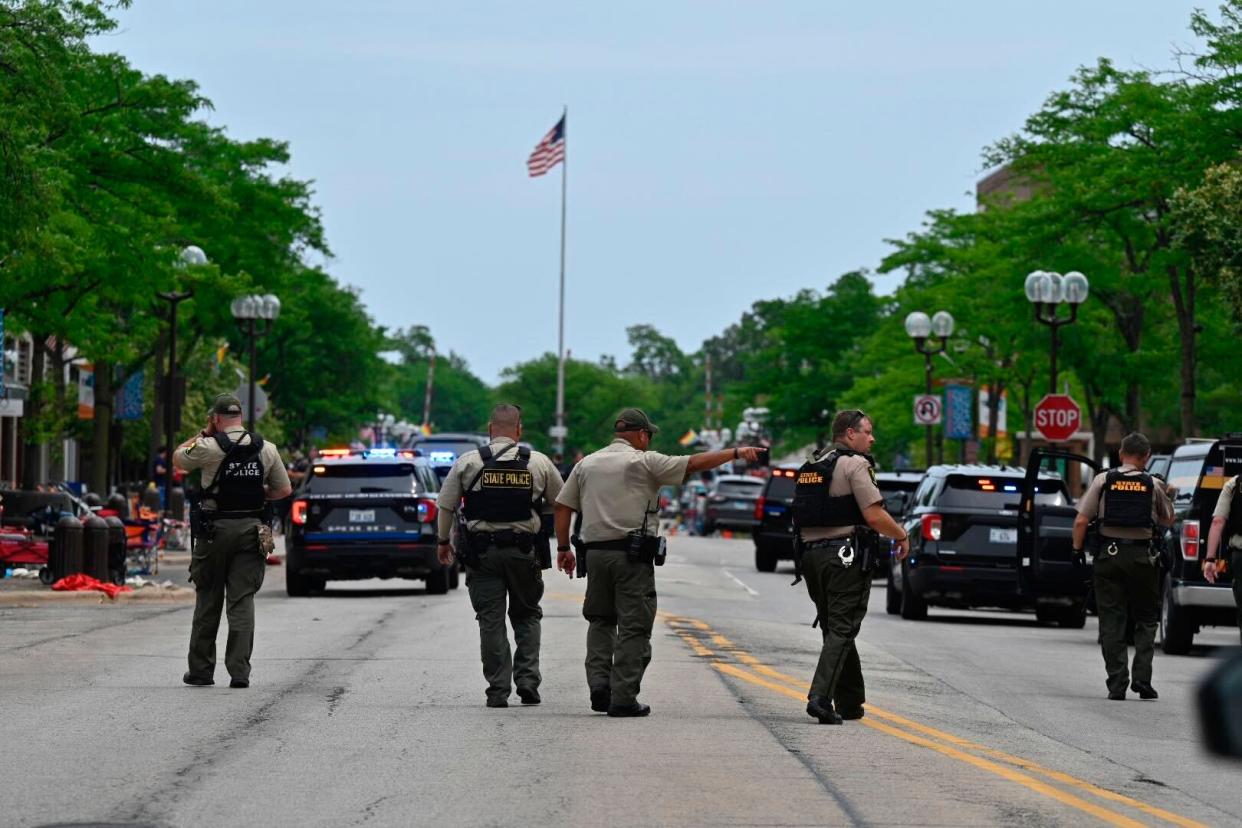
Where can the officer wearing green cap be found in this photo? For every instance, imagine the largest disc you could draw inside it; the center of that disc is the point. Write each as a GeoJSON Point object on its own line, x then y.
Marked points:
{"type": "Point", "coordinates": [615, 492]}
{"type": "Point", "coordinates": [240, 473]}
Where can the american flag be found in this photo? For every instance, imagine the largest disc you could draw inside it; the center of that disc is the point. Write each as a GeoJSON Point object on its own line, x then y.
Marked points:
{"type": "Point", "coordinates": [549, 152]}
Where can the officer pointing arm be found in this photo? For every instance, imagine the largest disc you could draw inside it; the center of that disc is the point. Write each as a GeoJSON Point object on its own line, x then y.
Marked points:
{"type": "Point", "coordinates": [1226, 526]}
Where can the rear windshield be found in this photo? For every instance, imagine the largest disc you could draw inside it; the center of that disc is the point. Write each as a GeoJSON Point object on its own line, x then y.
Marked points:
{"type": "Point", "coordinates": [362, 478]}
{"type": "Point", "coordinates": [1184, 477]}
{"type": "Point", "coordinates": [736, 488]}
{"type": "Point", "coordinates": [780, 486]}
{"type": "Point", "coordinates": [988, 493]}
{"type": "Point", "coordinates": [443, 452]}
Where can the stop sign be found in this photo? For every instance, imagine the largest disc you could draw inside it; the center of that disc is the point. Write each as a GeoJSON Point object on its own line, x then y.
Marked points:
{"type": "Point", "coordinates": [1057, 417]}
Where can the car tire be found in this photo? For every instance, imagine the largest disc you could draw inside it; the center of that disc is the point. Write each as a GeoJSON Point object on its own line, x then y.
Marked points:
{"type": "Point", "coordinates": [1073, 617]}
{"type": "Point", "coordinates": [437, 581]}
{"type": "Point", "coordinates": [1177, 632]}
{"type": "Point", "coordinates": [913, 607]}
{"type": "Point", "coordinates": [765, 557]}
{"type": "Point", "coordinates": [892, 597]}
{"type": "Point", "coordinates": [1046, 615]}
{"type": "Point", "coordinates": [296, 584]}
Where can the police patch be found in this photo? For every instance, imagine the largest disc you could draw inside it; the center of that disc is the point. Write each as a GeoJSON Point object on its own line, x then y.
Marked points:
{"type": "Point", "coordinates": [507, 479]}
{"type": "Point", "coordinates": [871, 472]}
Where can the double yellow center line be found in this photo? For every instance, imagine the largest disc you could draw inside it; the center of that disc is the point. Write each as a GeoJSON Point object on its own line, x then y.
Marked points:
{"type": "Point", "coordinates": [733, 661]}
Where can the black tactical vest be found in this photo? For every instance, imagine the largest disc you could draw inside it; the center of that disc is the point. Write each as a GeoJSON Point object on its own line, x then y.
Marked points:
{"type": "Point", "coordinates": [238, 486]}
{"type": "Point", "coordinates": [506, 488]}
{"type": "Point", "coordinates": [1127, 500]}
{"type": "Point", "coordinates": [813, 506]}
{"type": "Point", "coordinates": [1233, 523]}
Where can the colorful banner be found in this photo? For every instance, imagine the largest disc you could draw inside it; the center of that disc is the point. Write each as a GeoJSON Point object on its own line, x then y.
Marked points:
{"type": "Point", "coordinates": [86, 391]}
{"type": "Point", "coordinates": [958, 402]}
{"type": "Point", "coordinates": [1, 353]}
{"type": "Point", "coordinates": [129, 401]}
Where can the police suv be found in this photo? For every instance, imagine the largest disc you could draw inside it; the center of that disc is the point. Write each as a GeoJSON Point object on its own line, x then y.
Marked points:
{"type": "Point", "coordinates": [365, 514]}
{"type": "Point", "coordinates": [1197, 472]}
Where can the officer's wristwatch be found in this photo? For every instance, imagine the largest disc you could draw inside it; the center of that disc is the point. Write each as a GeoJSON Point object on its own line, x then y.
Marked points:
{"type": "Point", "coordinates": [444, 542]}
{"type": "Point", "coordinates": [562, 549]}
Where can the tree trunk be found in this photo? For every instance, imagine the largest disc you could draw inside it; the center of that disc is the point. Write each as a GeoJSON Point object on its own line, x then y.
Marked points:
{"type": "Point", "coordinates": [1024, 448]}
{"type": "Point", "coordinates": [1184, 303]}
{"type": "Point", "coordinates": [995, 390]}
{"type": "Point", "coordinates": [157, 406]}
{"type": "Point", "coordinates": [101, 430]}
{"type": "Point", "coordinates": [32, 465]}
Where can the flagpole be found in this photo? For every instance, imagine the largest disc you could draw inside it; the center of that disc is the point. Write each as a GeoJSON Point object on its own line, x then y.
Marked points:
{"type": "Point", "coordinates": [559, 441]}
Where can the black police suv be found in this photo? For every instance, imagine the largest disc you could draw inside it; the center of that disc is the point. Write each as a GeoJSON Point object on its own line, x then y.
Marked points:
{"type": "Point", "coordinates": [365, 514]}
{"type": "Point", "coordinates": [442, 450]}
{"type": "Point", "coordinates": [1196, 474]}
{"type": "Point", "coordinates": [963, 527]}
{"type": "Point", "coordinates": [773, 530]}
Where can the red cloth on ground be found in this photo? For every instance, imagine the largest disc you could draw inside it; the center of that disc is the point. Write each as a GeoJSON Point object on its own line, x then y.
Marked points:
{"type": "Point", "coordinates": [79, 582]}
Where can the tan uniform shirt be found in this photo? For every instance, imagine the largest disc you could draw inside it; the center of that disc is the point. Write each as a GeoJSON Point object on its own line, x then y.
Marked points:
{"type": "Point", "coordinates": [1092, 504]}
{"type": "Point", "coordinates": [1223, 505]}
{"type": "Point", "coordinates": [206, 455]}
{"type": "Point", "coordinates": [545, 482]}
{"type": "Point", "coordinates": [853, 475]}
{"type": "Point", "coordinates": [614, 488]}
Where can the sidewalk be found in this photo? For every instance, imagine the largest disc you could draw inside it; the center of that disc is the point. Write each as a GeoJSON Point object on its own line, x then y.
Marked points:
{"type": "Point", "coordinates": [173, 567]}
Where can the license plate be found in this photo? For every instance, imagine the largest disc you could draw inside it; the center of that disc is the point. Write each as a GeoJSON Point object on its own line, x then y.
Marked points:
{"type": "Point", "coordinates": [1003, 535]}
{"type": "Point", "coordinates": [365, 516]}
{"type": "Point", "coordinates": [742, 504]}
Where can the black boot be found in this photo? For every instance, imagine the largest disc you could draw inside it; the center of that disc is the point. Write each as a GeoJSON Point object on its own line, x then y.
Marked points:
{"type": "Point", "coordinates": [625, 711]}
{"type": "Point", "coordinates": [601, 699]}
{"type": "Point", "coordinates": [1145, 690]}
{"type": "Point", "coordinates": [821, 709]}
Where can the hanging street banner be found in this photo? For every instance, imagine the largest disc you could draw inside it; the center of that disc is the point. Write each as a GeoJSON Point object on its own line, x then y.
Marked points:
{"type": "Point", "coordinates": [927, 409]}
{"type": "Point", "coordinates": [86, 391]}
{"type": "Point", "coordinates": [958, 401]}
{"type": "Point", "coordinates": [129, 401]}
{"type": "Point", "coordinates": [1, 353]}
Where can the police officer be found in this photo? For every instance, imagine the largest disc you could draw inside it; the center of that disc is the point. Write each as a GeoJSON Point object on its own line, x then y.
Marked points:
{"type": "Point", "coordinates": [615, 491]}
{"type": "Point", "coordinates": [1227, 526]}
{"type": "Point", "coordinates": [839, 513]}
{"type": "Point", "coordinates": [505, 488]}
{"type": "Point", "coordinates": [1129, 505]}
{"type": "Point", "coordinates": [240, 473]}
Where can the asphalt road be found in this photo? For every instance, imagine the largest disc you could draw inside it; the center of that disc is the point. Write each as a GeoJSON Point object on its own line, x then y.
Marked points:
{"type": "Point", "coordinates": [367, 708]}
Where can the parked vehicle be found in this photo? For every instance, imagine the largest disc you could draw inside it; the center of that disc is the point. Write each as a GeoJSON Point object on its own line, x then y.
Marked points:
{"type": "Point", "coordinates": [442, 450]}
{"type": "Point", "coordinates": [963, 527]}
{"type": "Point", "coordinates": [1197, 472]}
{"type": "Point", "coordinates": [731, 503]}
{"type": "Point", "coordinates": [365, 514]}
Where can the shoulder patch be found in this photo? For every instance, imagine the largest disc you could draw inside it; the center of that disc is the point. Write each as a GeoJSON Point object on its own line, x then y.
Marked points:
{"type": "Point", "coordinates": [871, 474]}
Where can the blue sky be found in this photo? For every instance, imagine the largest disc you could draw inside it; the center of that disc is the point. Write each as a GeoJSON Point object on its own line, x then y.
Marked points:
{"type": "Point", "coordinates": [720, 152]}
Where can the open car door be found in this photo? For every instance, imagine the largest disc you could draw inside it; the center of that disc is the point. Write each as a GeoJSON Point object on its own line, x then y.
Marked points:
{"type": "Point", "coordinates": [1047, 573]}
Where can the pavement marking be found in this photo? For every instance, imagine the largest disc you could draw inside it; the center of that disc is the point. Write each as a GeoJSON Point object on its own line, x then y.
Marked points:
{"type": "Point", "coordinates": [948, 745]}
{"type": "Point", "coordinates": [754, 593]}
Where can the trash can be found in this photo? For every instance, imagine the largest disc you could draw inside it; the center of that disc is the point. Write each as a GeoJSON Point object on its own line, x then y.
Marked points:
{"type": "Point", "coordinates": [93, 500]}
{"type": "Point", "coordinates": [151, 499]}
{"type": "Point", "coordinates": [116, 549]}
{"type": "Point", "coordinates": [95, 547]}
{"type": "Point", "coordinates": [64, 554]}
{"type": "Point", "coordinates": [176, 503]}
{"type": "Point", "coordinates": [119, 503]}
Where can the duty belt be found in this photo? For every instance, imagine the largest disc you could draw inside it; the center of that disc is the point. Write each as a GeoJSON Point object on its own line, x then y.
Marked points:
{"type": "Point", "coordinates": [824, 543]}
{"type": "Point", "coordinates": [1114, 545]}
{"type": "Point", "coordinates": [621, 545]}
{"type": "Point", "coordinates": [505, 537]}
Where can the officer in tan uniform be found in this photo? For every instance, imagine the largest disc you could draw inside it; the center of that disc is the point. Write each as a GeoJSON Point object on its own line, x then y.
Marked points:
{"type": "Point", "coordinates": [1129, 504]}
{"type": "Point", "coordinates": [1226, 527]}
{"type": "Point", "coordinates": [506, 489]}
{"type": "Point", "coordinates": [839, 513]}
{"type": "Point", "coordinates": [615, 491]}
{"type": "Point", "coordinates": [240, 473]}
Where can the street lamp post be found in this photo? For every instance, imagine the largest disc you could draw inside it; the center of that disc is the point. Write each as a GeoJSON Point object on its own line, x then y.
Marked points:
{"type": "Point", "coordinates": [191, 256]}
{"type": "Point", "coordinates": [1047, 291]}
{"type": "Point", "coordinates": [920, 327]}
{"type": "Point", "coordinates": [254, 315]}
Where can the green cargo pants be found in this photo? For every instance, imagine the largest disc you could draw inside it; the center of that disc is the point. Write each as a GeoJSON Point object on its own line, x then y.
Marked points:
{"type": "Point", "coordinates": [621, 608]}
{"type": "Point", "coordinates": [228, 569]}
{"type": "Point", "coordinates": [840, 594]}
{"type": "Point", "coordinates": [1126, 584]}
{"type": "Point", "coordinates": [507, 573]}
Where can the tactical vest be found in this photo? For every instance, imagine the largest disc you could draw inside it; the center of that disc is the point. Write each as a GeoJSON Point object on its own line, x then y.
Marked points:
{"type": "Point", "coordinates": [1233, 523]}
{"type": "Point", "coordinates": [1127, 500]}
{"type": "Point", "coordinates": [238, 486]}
{"type": "Point", "coordinates": [813, 506]}
{"type": "Point", "coordinates": [506, 490]}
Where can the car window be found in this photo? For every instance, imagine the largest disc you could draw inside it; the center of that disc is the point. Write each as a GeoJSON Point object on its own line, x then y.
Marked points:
{"type": "Point", "coordinates": [781, 486]}
{"type": "Point", "coordinates": [443, 452]}
{"type": "Point", "coordinates": [427, 479]}
{"type": "Point", "coordinates": [1184, 478]}
{"type": "Point", "coordinates": [739, 488]}
{"type": "Point", "coordinates": [363, 478]}
{"type": "Point", "coordinates": [967, 491]}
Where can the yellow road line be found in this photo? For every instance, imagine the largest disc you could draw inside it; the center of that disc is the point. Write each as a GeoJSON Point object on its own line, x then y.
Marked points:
{"type": "Point", "coordinates": [1104, 814]}
{"type": "Point", "coordinates": [1025, 764]}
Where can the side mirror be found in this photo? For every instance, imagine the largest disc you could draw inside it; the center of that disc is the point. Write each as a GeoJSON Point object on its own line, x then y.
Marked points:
{"type": "Point", "coordinates": [1220, 708]}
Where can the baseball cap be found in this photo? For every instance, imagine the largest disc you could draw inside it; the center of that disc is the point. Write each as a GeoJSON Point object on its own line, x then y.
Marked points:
{"type": "Point", "coordinates": [634, 419]}
{"type": "Point", "coordinates": [228, 405]}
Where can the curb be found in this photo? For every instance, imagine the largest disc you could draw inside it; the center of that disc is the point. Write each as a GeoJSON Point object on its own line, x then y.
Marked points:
{"type": "Point", "coordinates": [177, 595]}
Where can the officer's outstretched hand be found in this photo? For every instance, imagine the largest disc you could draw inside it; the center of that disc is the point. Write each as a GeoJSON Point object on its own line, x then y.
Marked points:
{"type": "Point", "coordinates": [565, 562]}
{"type": "Point", "coordinates": [903, 548]}
{"type": "Point", "coordinates": [444, 552]}
{"type": "Point", "coordinates": [749, 453]}
{"type": "Point", "coordinates": [1209, 571]}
